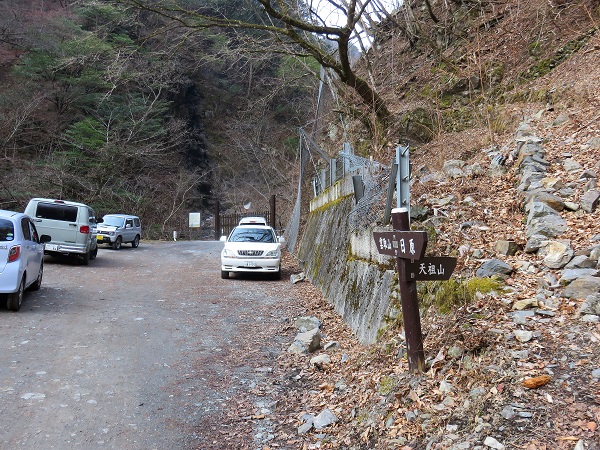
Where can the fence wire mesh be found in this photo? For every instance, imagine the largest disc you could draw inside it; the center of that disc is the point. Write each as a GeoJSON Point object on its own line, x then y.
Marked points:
{"type": "Point", "coordinates": [370, 209]}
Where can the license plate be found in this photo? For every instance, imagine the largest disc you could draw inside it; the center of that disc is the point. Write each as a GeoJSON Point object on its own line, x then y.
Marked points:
{"type": "Point", "coordinates": [100, 238]}
{"type": "Point", "coordinates": [250, 264]}
{"type": "Point", "coordinates": [51, 247]}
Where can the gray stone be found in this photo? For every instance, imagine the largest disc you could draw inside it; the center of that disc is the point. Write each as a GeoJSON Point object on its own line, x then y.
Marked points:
{"type": "Point", "coordinates": [581, 262]}
{"type": "Point", "coordinates": [570, 275]}
{"type": "Point", "coordinates": [296, 278]}
{"type": "Point", "coordinates": [520, 317]}
{"type": "Point", "coordinates": [419, 212]}
{"type": "Point", "coordinates": [519, 354]}
{"type": "Point", "coordinates": [557, 254]}
{"type": "Point", "coordinates": [523, 335]}
{"type": "Point", "coordinates": [590, 185]}
{"type": "Point", "coordinates": [320, 360]}
{"type": "Point", "coordinates": [304, 428]}
{"type": "Point", "coordinates": [535, 242]}
{"type": "Point", "coordinates": [297, 347]}
{"type": "Point", "coordinates": [570, 165]}
{"type": "Point", "coordinates": [324, 419]}
{"type": "Point", "coordinates": [493, 443]}
{"type": "Point", "coordinates": [454, 163]}
{"type": "Point", "coordinates": [591, 305]}
{"type": "Point", "coordinates": [590, 318]}
{"type": "Point", "coordinates": [307, 342]}
{"type": "Point", "coordinates": [566, 192]}
{"type": "Point", "coordinates": [552, 183]}
{"type": "Point", "coordinates": [508, 412]}
{"type": "Point", "coordinates": [450, 199]}
{"type": "Point", "coordinates": [562, 118]}
{"type": "Point", "coordinates": [455, 352]}
{"type": "Point", "coordinates": [454, 172]}
{"type": "Point", "coordinates": [494, 267]}
{"type": "Point", "coordinates": [593, 142]}
{"type": "Point", "coordinates": [550, 226]}
{"type": "Point", "coordinates": [544, 220]}
{"type": "Point", "coordinates": [306, 323]}
{"type": "Point", "coordinates": [553, 201]}
{"type": "Point", "coordinates": [473, 169]}
{"type": "Point", "coordinates": [333, 345]}
{"type": "Point", "coordinates": [589, 201]}
{"type": "Point", "coordinates": [586, 174]}
{"type": "Point", "coordinates": [507, 248]}
{"type": "Point", "coordinates": [595, 253]}
{"type": "Point", "coordinates": [571, 206]}
{"type": "Point", "coordinates": [581, 288]}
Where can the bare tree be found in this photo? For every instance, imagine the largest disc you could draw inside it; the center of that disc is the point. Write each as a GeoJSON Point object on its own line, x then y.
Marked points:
{"type": "Point", "coordinates": [300, 28]}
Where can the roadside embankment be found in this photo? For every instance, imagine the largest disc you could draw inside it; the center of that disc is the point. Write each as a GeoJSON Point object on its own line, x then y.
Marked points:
{"type": "Point", "coordinates": [345, 266]}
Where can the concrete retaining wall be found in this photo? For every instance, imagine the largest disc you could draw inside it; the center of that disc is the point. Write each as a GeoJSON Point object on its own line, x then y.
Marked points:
{"type": "Point", "coordinates": [346, 267]}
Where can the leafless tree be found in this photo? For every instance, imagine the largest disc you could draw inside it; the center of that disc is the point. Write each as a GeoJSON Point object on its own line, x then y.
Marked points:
{"type": "Point", "coordinates": [299, 28]}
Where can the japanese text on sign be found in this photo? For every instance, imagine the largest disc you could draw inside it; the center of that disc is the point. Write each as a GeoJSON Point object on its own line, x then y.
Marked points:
{"type": "Point", "coordinates": [431, 269]}
{"type": "Point", "coordinates": [388, 244]}
{"type": "Point", "coordinates": [401, 244]}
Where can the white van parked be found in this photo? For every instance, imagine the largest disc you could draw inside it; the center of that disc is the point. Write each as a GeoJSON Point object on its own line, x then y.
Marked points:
{"type": "Point", "coordinates": [71, 226]}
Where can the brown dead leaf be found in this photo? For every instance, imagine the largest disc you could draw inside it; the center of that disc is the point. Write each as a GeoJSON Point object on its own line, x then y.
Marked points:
{"type": "Point", "coordinates": [592, 426]}
{"type": "Point", "coordinates": [536, 382]}
{"type": "Point", "coordinates": [567, 438]}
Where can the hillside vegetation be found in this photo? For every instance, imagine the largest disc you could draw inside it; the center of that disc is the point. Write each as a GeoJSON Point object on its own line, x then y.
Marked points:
{"type": "Point", "coordinates": [109, 106]}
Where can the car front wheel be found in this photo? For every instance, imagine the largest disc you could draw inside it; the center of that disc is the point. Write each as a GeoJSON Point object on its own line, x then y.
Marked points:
{"type": "Point", "coordinates": [224, 274]}
{"type": "Point", "coordinates": [14, 299]}
{"type": "Point", "coordinates": [117, 244]}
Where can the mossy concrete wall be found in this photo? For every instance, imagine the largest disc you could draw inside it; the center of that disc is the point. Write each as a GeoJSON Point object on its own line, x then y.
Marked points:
{"type": "Point", "coordinates": [347, 269]}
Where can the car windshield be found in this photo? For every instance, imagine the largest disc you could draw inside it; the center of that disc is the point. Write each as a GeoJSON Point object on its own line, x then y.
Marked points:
{"type": "Point", "coordinates": [7, 232]}
{"type": "Point", "coordinates": [113, 221]}
{"type": "Point", "coordinates": [248, 234]}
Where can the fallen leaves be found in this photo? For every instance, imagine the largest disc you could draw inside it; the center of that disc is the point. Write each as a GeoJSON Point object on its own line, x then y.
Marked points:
{"type": "Point", "coordinates": [536, 382]}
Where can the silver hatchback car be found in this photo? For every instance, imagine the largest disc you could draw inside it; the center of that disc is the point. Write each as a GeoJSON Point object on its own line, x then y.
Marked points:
{"type": "Point", "coordinates": [21, 257]}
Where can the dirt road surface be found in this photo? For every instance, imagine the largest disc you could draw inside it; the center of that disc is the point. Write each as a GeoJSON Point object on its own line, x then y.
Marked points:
{"type": "Point", "coordinates": [145, 348]}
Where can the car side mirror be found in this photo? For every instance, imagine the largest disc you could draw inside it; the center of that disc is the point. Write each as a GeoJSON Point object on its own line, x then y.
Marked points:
{"type": "Point", "coordinates": [100, 221]}
{"type": "Point", "coordinates": [281, 239]}
{"type": "Point", "coordinates": [223, 239]}
{"type": "Point", "coordinates": [45, 238]}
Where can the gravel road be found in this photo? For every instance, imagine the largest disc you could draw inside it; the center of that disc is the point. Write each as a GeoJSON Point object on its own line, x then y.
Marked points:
{"type": "Point", "coordinates": [145, 348]}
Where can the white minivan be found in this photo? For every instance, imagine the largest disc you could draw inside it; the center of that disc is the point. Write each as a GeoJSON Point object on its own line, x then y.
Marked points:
{"type": "Point", "coordinates": [71, 226]}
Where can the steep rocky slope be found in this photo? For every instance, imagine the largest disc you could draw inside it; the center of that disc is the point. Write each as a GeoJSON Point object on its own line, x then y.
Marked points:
{"type": "Point", "coordinates": [518, 368]}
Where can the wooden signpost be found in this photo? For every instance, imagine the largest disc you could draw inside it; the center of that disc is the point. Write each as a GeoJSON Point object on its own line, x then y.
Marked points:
{"type": "Point", "coordinates": [409, 248]}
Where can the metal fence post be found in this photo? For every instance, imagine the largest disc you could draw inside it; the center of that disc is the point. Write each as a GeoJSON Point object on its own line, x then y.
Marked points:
{"type": "Point", "coordinates": [217, 221]}
{"type": "Point", "coordinates": [332, 170]}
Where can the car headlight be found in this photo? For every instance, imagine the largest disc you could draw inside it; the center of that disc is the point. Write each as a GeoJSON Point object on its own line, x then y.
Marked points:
{"type": "Point", "coordinates": [111, 233]}
{"type": "Point", "coordinates": [228, 253]}
{"type": "Point", "coordinates": [272, 254]}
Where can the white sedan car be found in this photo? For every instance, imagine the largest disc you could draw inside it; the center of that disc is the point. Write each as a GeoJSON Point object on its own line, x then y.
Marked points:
{"type": "Point", "coordinates": [21, 257]}
{"type": "Point", "coordinates": [249, 249]}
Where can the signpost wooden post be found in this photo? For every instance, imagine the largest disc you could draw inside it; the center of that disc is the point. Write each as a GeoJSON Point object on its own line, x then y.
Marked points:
{"type": "Point", "coordinates": [409, 248]}
{"type": "Point", "coordinates": [410, 302]}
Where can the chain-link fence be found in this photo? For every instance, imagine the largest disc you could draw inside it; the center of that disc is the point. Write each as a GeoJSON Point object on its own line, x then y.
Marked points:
{"type": "Point", "coordinates": [374, 176]}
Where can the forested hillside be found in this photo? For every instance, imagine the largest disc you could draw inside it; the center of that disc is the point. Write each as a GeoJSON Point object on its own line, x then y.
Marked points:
{"type": "Point", "coordinates": [115, 108]}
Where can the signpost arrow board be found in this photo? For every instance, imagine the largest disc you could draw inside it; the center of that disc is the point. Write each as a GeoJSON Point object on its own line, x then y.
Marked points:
{"type": "Point", "coordinates": [401, 244]}
{"type": "Point", "coordinates": [430, 268]}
